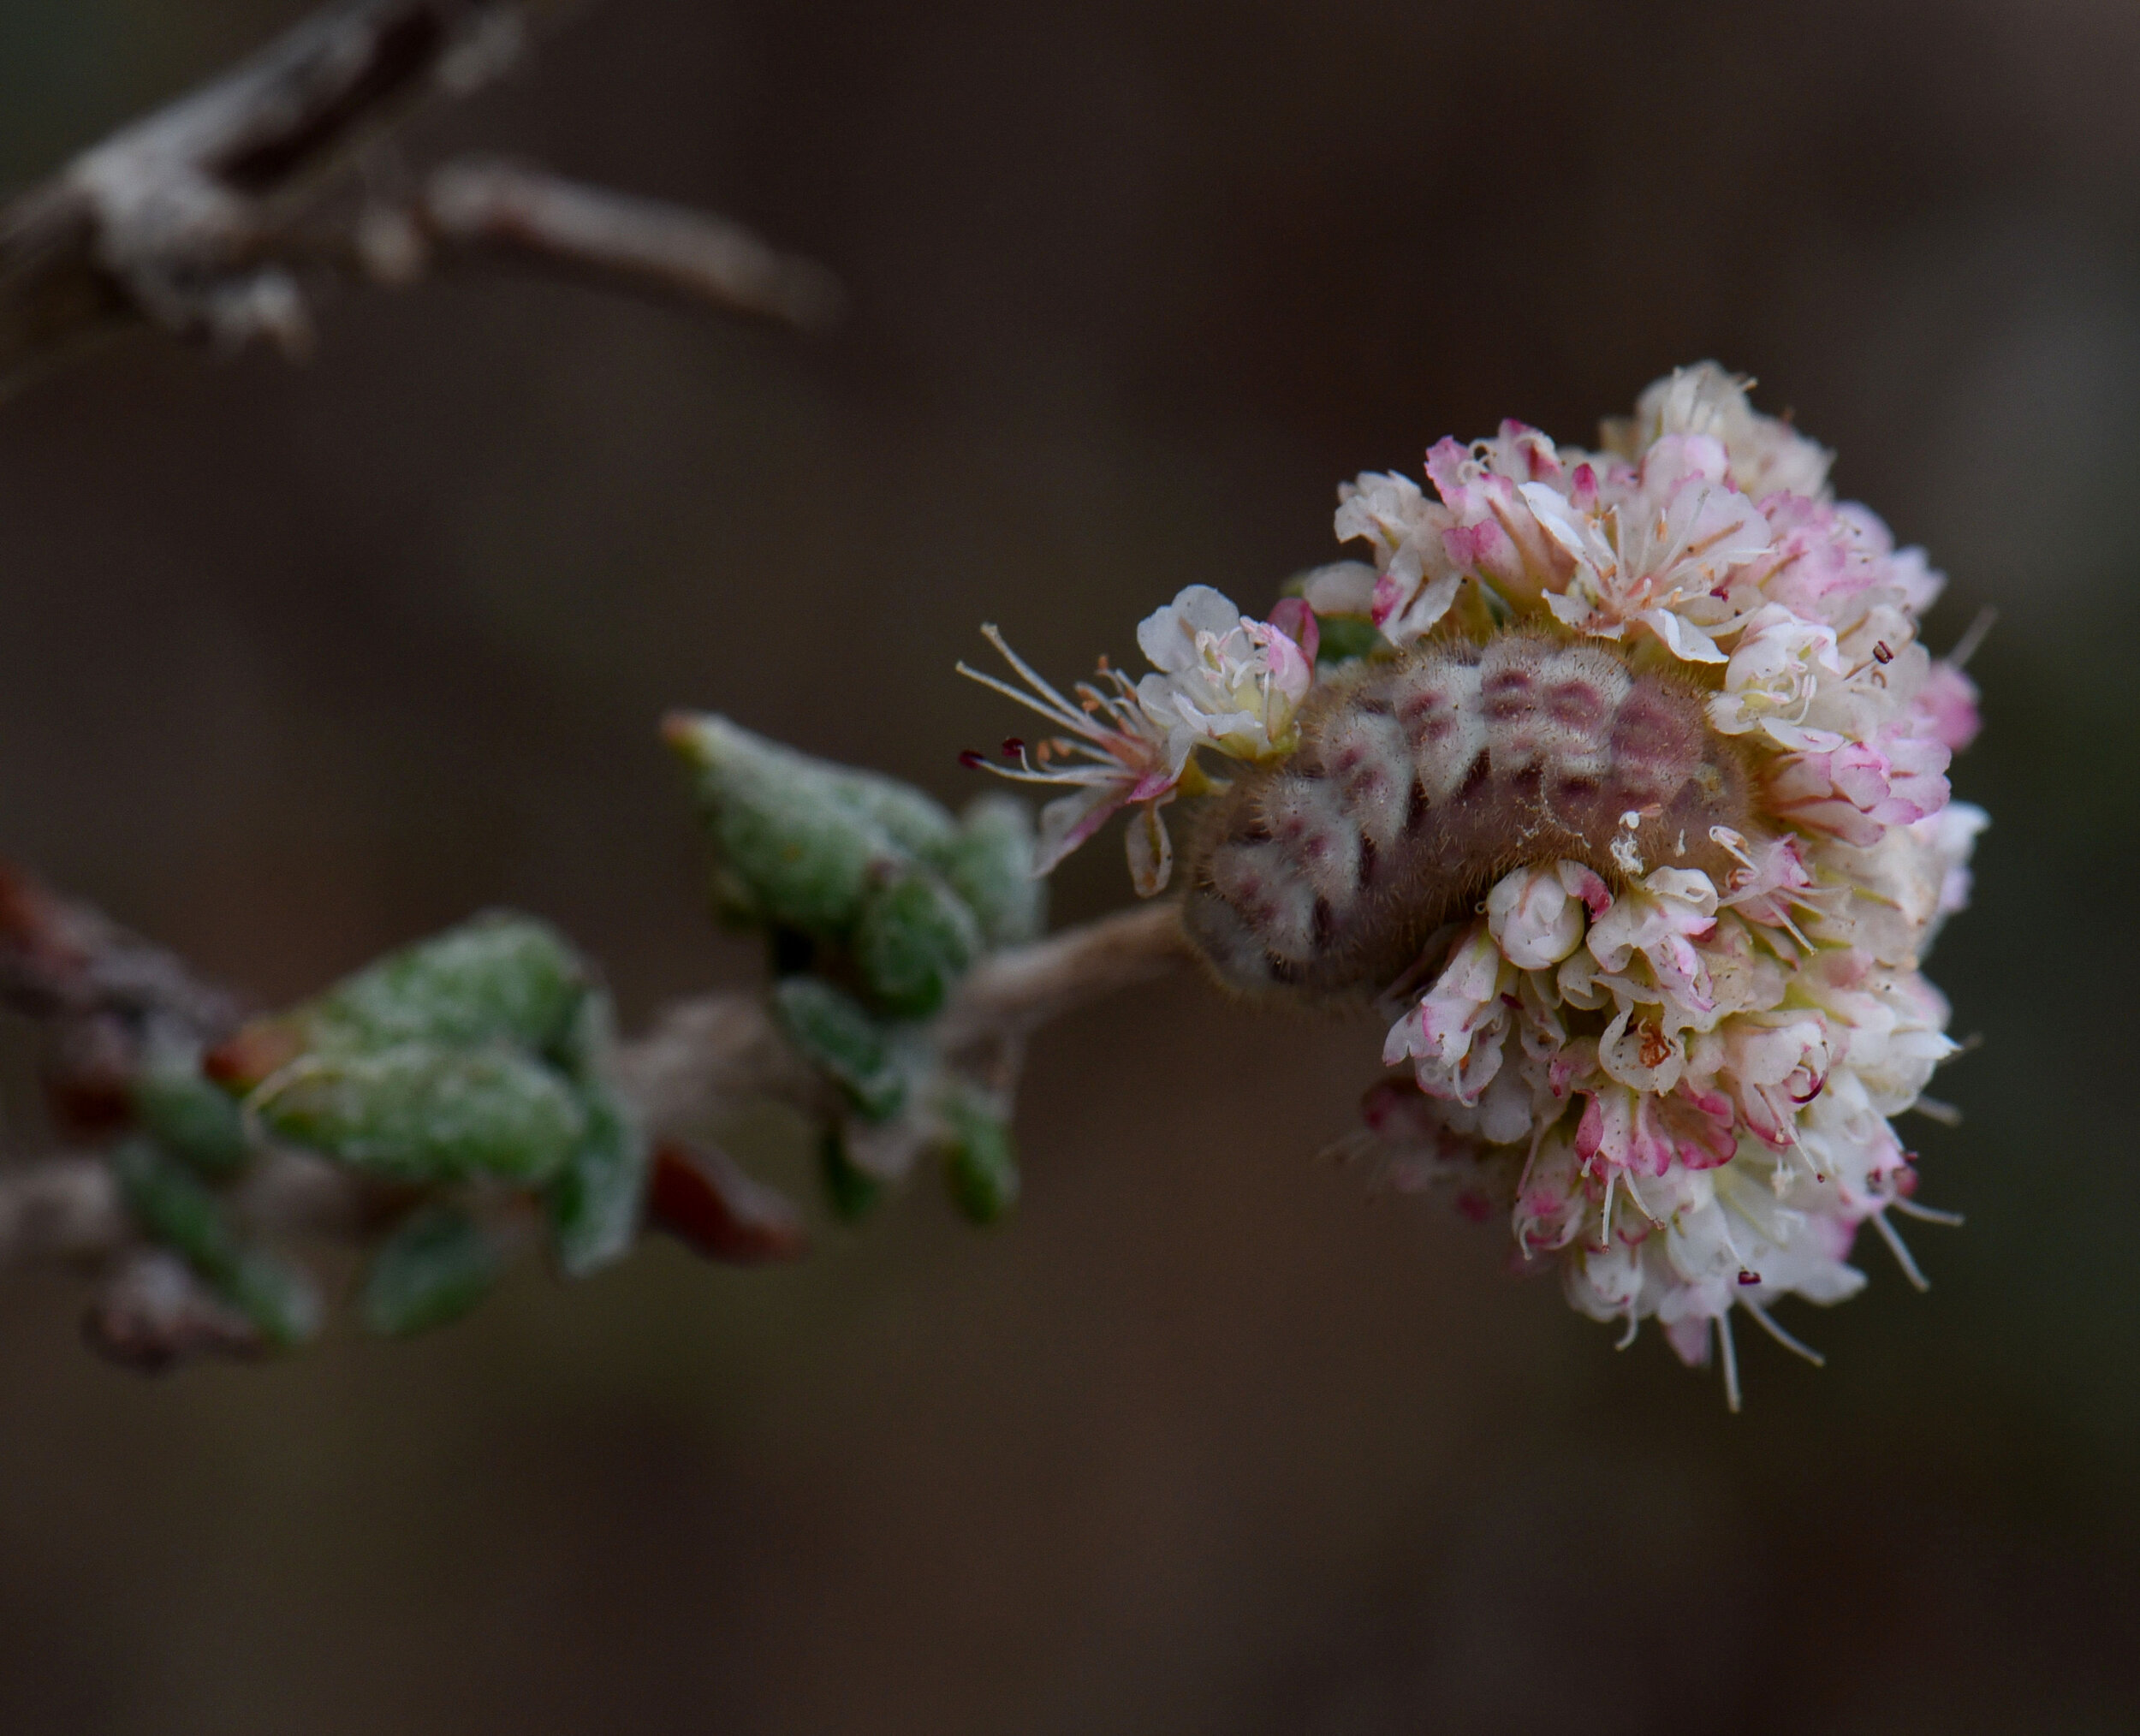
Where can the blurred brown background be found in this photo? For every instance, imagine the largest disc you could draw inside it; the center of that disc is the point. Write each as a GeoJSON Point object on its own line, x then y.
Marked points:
{"type": "Point", "coordinates": [300, 662]}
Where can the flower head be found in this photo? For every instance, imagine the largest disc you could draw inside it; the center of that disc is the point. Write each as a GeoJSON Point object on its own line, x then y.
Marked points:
{"type": "Point", "coordinates": [1683, 1083]}
{"type": "Point", "coordinates": [1659, 1005]}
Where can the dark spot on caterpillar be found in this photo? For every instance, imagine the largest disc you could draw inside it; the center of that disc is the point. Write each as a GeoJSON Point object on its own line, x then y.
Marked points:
{"type": "Point", "coordinates": [1416, 809]}
{"type": "Point", "coordinates": [1312, 875]}
{"type": "Point", "coordinates": [1578, 705]}
{"type": "Point", "coordinates": [1506, 694]}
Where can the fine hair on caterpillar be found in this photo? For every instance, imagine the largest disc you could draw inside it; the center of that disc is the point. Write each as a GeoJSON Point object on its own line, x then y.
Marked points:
{"type": "Point", "coordinates": [1421, 779]}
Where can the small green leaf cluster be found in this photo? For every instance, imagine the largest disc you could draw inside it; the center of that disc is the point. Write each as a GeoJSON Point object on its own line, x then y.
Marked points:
{"type": "Point", "coordinates": [875, 900]}
{"type": "Point", "coordinates": [470, 1069]}
{"type": "Point", "coordinates": [175, 1167]}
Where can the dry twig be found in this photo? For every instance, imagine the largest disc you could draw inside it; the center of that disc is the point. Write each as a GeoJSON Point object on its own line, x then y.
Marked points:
{"type": "Point", "coordinates": [200, 220]}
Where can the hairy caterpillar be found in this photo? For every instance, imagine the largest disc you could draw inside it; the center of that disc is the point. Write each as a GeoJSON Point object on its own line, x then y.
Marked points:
{"type": "Point", "coordinates": [1419, 781]}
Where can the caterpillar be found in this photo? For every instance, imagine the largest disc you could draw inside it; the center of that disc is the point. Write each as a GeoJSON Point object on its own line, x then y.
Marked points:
{"type": "Point", "coordinates": [1419, 781]}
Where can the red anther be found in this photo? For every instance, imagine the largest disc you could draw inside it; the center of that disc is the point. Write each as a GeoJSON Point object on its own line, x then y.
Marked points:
{"type": "Point", "coordinates": [1014, 748]}
{"type": "Point", "coordinates": [1881, 654]}
{"type": "Point", "coordinates": [973, 760]}
{"type": "Point", "coordinates": [1749, 1277]}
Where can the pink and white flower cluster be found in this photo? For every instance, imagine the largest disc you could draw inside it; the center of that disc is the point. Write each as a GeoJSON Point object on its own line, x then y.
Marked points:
{"type": "Point", "coordinates": [1681, 1092]}
{"type": "Point", "coordinates": [1221, 680]}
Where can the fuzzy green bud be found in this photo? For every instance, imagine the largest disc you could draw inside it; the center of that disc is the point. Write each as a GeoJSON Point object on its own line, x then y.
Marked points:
{"type": "Point", "coordinates": [799, 842]}
{"type": "Point", "coordinates": [916, 937]}
{"type": "Point", "coordinates": [417, 1113]}
{"type": "Point", "coordinates": [499, 975]}
{"type": "Point", "coordinates": [989, 864]}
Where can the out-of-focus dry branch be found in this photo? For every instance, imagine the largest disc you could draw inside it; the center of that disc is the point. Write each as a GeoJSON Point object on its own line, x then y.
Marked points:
{"type": "Point", "coordinates": [203, 219]}
{"type": "Point", "coordinates": [495, 208]}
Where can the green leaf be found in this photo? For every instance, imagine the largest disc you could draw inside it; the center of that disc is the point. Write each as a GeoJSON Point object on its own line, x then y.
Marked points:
{"type": "Point", "coordinates": [980, 1157]}
{"type": "Point", "coordinates": [1345, 639]}
{"type": "Point", "coordinates": [417, 1113]}
{"type": "Point", "coordinates": [499, 975]}
{"type": "Point", "coordinates": [437, 1266]}
{"type": "Point", "coordinates": [989, 864]}
{"type": "Point", "coordinates": [852, 1192]}
{"type": "Point", "coordinates": [277, 1296]}
{"type": "Point", "coordinates": [596, 1200]}
{"type": "Point", "coordinates": [915, 939]}
{"type": "Point", "coordinates": [840, 1038]}
{"type": "Point", "coordinates": [191, 1115]}
{"type": "Point", "coordinates": [175, 1208]}
{"type": "Point", "coordinates": [799, 842]}
{"type": "Point", "coordinates": [590, 1043]}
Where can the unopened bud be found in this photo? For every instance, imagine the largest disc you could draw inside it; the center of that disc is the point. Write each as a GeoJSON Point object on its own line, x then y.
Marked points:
{"type": "Point", "coordinates": [801, 841]}
{"type": "Point", "coordinates": [916, 937]}
{"type": "Point", "coordinates": [499, 975]}
{"type": "Point", "coordinates": [989, 864]}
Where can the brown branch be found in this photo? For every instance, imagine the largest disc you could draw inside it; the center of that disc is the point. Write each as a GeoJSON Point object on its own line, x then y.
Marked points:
{"type": "Point", "coordinates": [498, 208]}
{"type": "Point", "coordinates": [154, 1314]}
{"type": "Point", "coordinates": [198, 220]}
{"type": "Point", "coordinates": [703, 1057]}
{"type": "Point", "coordinates": [63, 957]}
{"type": "Point", "coordinates": [61, 1207]}
{"type": "Point", "coordinates": [1015, 990]}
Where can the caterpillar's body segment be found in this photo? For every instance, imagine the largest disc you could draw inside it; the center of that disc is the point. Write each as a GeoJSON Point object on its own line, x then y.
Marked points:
{"type": "Point", "coordinates": [1419, 781]}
